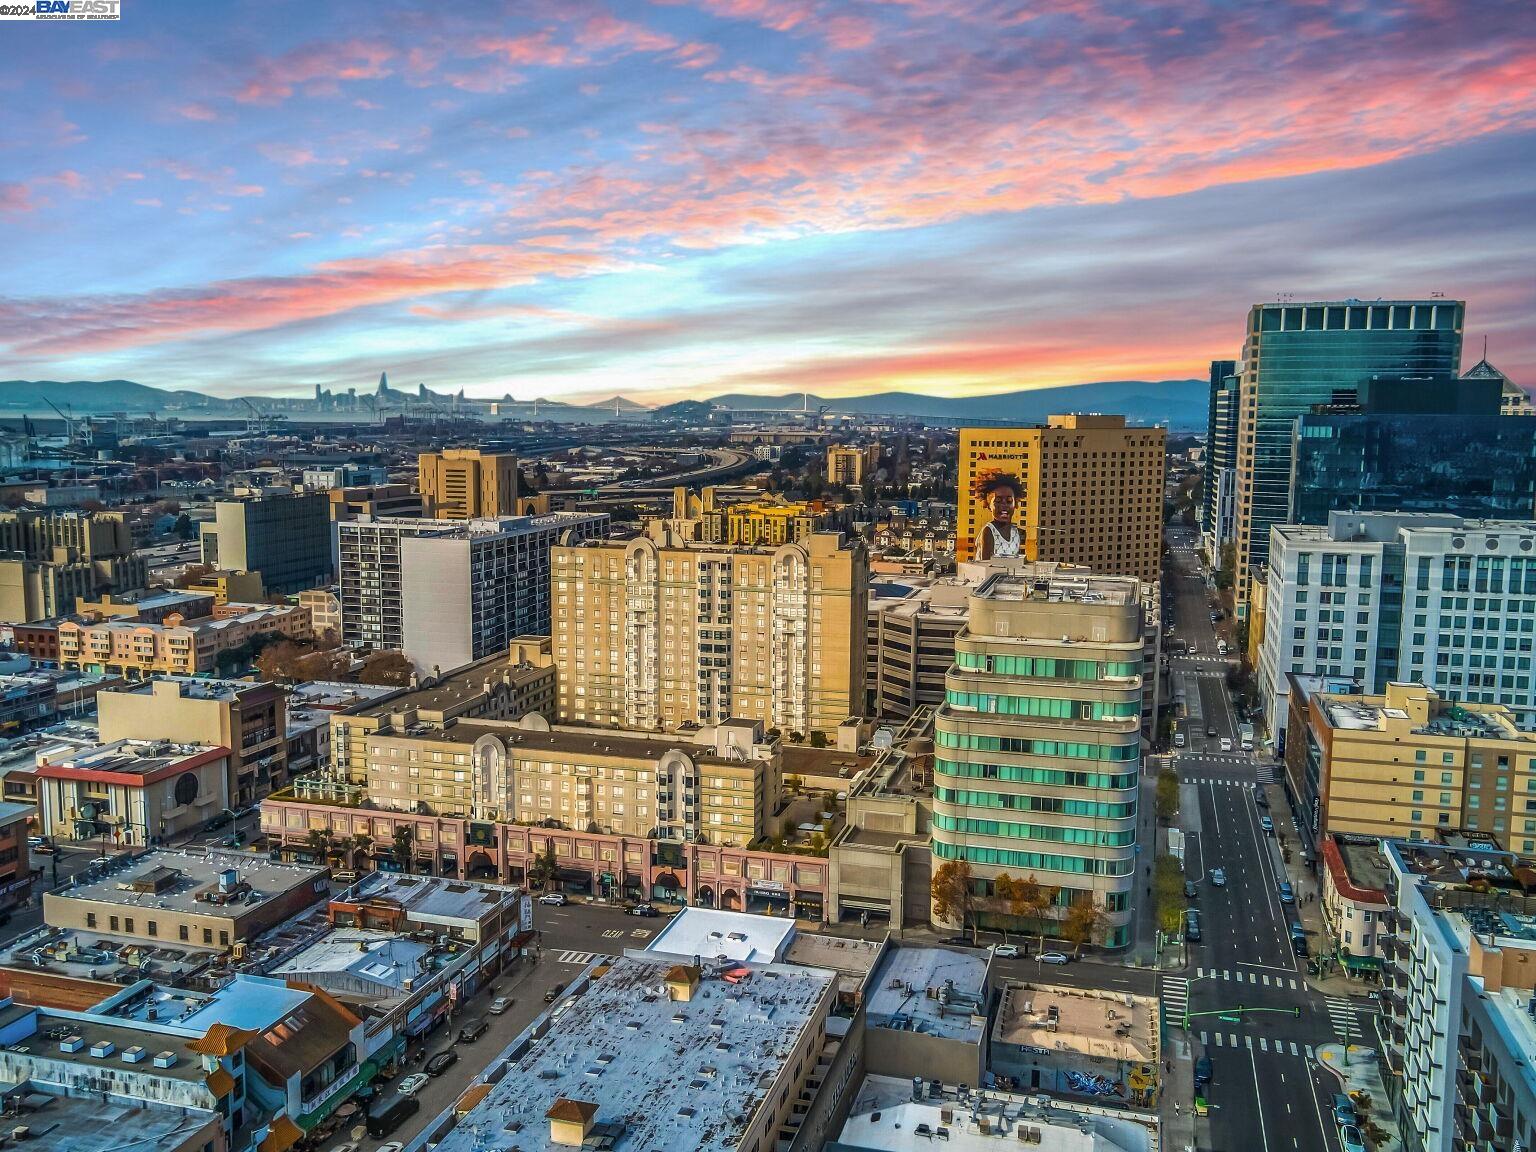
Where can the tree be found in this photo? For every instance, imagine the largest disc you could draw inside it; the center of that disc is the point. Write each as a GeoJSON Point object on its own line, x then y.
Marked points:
{"type": "Point", "coordinates": [319, 843]}
{"type": "Point", "coordinates": [1168, 884]}
{"type": "Point", "coordinates": [389, 669]}
{"type": "Point", "coordinates": [402, 846]}
{"type": "Point", "coordinates": [954, 897]}
{"type": "Point", "coordinates": [818, 739]}
{"type": "Point", "coordinates": [184, 527]}
{"type": "Point", "coordinates": [191, 574]}
{"type": "Point", "coordinates": [357, 846]}
{"type": "Point", "coordinates": [1025, 898]}
{"type": "Point", "coordinates": [1083, 922]}
{"type": "Point", "coordinates": [542, 869]}
{"type": "Point", "coordinates": [793, 784]}
{"type": "Point", "coordinates": [1167, 796]}
{"type": "Point", "coordinates": [280, 661]}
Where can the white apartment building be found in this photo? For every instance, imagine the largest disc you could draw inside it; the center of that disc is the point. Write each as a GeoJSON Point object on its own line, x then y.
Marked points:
{"type": "Point", "coordinates": [1388, 596]}
{"type": "Point", "coordinates": [449, 592]}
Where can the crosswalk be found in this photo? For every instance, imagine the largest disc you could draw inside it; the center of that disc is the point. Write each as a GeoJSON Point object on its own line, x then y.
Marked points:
{"type": "Point", "coordinates": [1344, 1015]}
{"type": "Point", "coordinates": [1203, 657]}
{"type": "Point", "coordinates": [1270, 773]}
{"type": "Point", "coordinates": [1262, 1043]}
{"type": "Point", "coordinates": [1189, 774]}
{"type": "Point", "coordinates": [1175, 996]}
{"type": "Point", "coordinates": [1239, 977]}
{"type": "Point", "coordinates": [580, 959]}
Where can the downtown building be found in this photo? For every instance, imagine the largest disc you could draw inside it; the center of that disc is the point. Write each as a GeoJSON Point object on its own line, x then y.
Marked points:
{"type": "Point", "coordinates": [285, 537]}
{"type": "Point", "coordinates": [1218, 510]}
{"type": "Point", "coordinates": [654, 633]}
{"type": "Point", "coordinates": [467, 484]}
{"type": "Point", "coordinates": [1298, 356]}
{"type": "Point", "coordinates": [1093, 491]}
{"type": "Point", "coordinates": [1373, 598]}
{"type": "Point", "coordinates": [48, 560]}
{"type": "Point", "coordinates": [451, 592]}
{"type": "Point", "coordinates": [1038, 743]}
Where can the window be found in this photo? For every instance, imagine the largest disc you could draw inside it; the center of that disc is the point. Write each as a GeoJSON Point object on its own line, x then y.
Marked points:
{"type": "Point", "coordinates": [207, 935]}
{"type": "Point", "coordinates": [182, 933]}
{"type": "Point", "coordinates": [224, 939]}
{"type": "Point", "coordinates": [112, 921]}
{"type": "Point", "coordinates": [90, 917]}
{"type": "Point", "coordinates": [152, 928]}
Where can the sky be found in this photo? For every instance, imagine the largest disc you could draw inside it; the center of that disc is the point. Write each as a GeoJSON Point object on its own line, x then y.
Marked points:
{"type": "Point", "coordinates": [691, 197]}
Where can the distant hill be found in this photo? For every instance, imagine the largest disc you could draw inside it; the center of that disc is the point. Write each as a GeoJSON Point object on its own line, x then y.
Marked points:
{"type": "Point", "coordinates": [93, 395]}
{"type": "Point", "coordinates": [621, 403]}
{"type": "Point", "coordinates": [1181, 403]}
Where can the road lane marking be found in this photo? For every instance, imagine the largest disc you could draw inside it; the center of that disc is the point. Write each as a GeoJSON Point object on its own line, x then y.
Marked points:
{"type": "Point", "coordinates": [1263, 1044]}
{"type": "Point", "coordinates": [1310, 1054]}
{"type": "Point", "coordinates": [1258, 1095]}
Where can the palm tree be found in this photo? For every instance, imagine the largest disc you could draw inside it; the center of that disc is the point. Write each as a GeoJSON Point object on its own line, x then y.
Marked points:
{"type": "Point", "coordinates": [402, 846]}
{"type": "Point", "coordinates": [319, 843]}
{"type": "Point", "coordinates": [357, 846]}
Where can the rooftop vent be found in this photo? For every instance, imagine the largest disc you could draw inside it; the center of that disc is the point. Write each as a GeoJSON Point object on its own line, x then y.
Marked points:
{"type": "Point", "coordinates": [71, 1044]}
{"type": "Point", "coordinates": [102, 1049]}
{"type": "Point", "coordinates": [135, 1055]}
{"type": "Point", "coordinates": [165, 1059]}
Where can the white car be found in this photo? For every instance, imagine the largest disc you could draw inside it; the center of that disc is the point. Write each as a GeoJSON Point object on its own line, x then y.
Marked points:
{"type": "Point", "coordinates": [1054, 958]}
{"type": "Point", "coordinates": [499, 1005]}
{"type": "Point", "coordinates": [392, 1146]}
{"type": "Point", "coordinates": [1226, 743]}
{"type": "Point", "coordinates": [413, 1083]}
{"type": "Point", "coordinates": [558, 899]}
{"type": "Point", "coordinates": [1006, 951]}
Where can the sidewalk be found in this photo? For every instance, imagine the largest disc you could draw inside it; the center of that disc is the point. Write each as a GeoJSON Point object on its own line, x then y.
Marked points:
{"type": "Point", "coordinates": [1177, 1104]}
{"type": "Point", "coordinates": [1359, 1075]}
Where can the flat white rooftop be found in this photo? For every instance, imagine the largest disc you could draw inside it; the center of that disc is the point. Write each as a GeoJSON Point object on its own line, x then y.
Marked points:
{"type": "Point", "coordinates": [433, 899]}
{"type": "Point", "coordinates": [671, 1076]}
{"type": "Point", "coordinates": [934, 991]}
{"type": "Point", "coordinates": [709, 933]}
{"type": "Point", "coordinates": [885, 1118]}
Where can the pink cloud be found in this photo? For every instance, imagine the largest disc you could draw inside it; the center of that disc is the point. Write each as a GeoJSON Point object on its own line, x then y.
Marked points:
{"type": "Point", "coordinates": [15, 198]}
{"type": "Point", "coordinates": [196, 111]}
{"type": "Point", "coordinates": [316, 68]}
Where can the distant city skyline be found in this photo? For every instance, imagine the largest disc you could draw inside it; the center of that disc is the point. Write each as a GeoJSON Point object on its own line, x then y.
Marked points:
{"type": "Point", "coordinates": [684, 199]}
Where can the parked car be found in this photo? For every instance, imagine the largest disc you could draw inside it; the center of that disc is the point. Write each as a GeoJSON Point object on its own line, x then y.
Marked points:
{"type": "Point", "coordinates": [1006, 951]}
{"type": "Point", "coordinates": [1350, 1138]}
{"type": "Point", "coordinates": [558, 899]}
{"type": "Point", "coordinates": [1192, 926]}
{"type": "Point", "coordinates": [392, 1146]}
{"type": "Point", "coordinates": [1344, 1110]}
{"type": "Point", "coordinates": [499, 1005]}
{"type": "Point", "coordinates": [1287, 893]}
{"type": "Point", "coordinates": [1190, 890]}
{"type": "Point", "coordinates": [642, 910]}
{"type": "Point", "coordinates": [344, 877]}
{"type": "Point", "coordinates": [440, 1063]}
{"type": "Point", "coordinates": [1203, 1071]}
{"type": "Point", "coordinates": [1299, 946]}
{"type": "Point", "coordinates": [1210, 730]}
{"type": "Point", "coordinates": [1218, 877]}
{"type": "Point", "coordinates": [554, 993]}
{"type": "Point", "coordinates": [472, 1031]}
{"type": "Point", "coordinates": [349, 1146]}
{"type": "Point", "coordinates": [1267, 824]}
{"type": "Point", "coordinates": [412, 1084]}
{"type": "Point", "coordinates": [1260, 797]}
{"type": "Point", "coordinates": [1054, 958]}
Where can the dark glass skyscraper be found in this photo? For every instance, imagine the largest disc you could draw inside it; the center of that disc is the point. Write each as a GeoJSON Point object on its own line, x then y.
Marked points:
{"type": "Point", "coordinates": [1296, 356]}
{"type": "Point", "coordinates": [1217, 505]}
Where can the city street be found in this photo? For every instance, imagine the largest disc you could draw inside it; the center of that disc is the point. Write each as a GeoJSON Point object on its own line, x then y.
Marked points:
{"type": "Point", "coordinates": [1251, 1008]}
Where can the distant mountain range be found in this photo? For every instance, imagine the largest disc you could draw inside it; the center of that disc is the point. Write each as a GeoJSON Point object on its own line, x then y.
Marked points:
{"type": "Point", "coordinates": [1182, 404]}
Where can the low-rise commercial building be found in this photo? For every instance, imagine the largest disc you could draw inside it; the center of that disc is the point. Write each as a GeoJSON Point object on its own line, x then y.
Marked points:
{"type": "Point", "coordinates": [1409, 764]}
{"type": "Point", "coordinates": [324, 611]}
{"type": "Point", "coordinates": [131, 792]}
{"type": "Point", "coordinates": [736, 1076]}
{"type": "Point", "coordinates": [1355, 880]}
{"type": "Point", "coordinates": [27, 702]}
{"type": "Point", "coordinates": [228, 585]}
{"type": "Point", "coordinates": [1085, 1042]}
{"type": "Point", "coordinates": [926, 1015]}
{"type": "Point", "coordinates": [212, 900]}
{"type": "Point", "coordinates": [48, 558]}
{"type": "Point", "coordinates": [16, 878]}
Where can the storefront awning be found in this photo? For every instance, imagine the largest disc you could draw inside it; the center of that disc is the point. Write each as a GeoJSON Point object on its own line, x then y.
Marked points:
{"type": "Point", "coordinates": [1361, 963]}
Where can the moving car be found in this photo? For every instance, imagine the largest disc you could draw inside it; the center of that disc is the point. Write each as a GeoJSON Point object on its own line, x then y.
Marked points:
{"type": "Point", "coordinates": [499, 1005]}
{"type": "Point", "coordinates": [558, 899]}
{"type": "Point", "coordinates": [472, 1031]}
{"type": "Point", "coordinates": [1344, 1110]}
{"type": "Point", "coordinates": [1054, 958]}
{"type": "Point", "coordinates": [413, 1083]}
{"type": "Point", "coordinates": [1218, 877]}
{"type": "Point", "coordinates": [1178, 739]}
{"type": "Point", "coordinates": [1006, 951]}
{"type": "Point", "coordinates": [440, 1063]}
{"type": "Point", "coordinates": [1226, 743]}
{"type": "Point", "coordinates": [554, 993]}
{"type": "Point", "coordinates": [1287, 893]}
{"type": "Point", "coordinates": [1350, 1138]}
{"type": "Point", "coordinates": [1267, 824]}
{"type": "Point", "coordinates": [1210, 730]}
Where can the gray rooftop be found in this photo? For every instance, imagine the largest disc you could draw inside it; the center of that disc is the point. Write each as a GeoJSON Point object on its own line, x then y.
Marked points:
{"type": "Point", "coordinates": [89, 1124]}
{"type": "Point", "coordinates": [433, 898]}
{"type": "Point", "coordinates": [334, 695]}
{"type": "Point", "coordinates": [670, 1075]}
{"type": "Point", "coordinates": [88, 955]}
{"type": "Point", "coordinates": [905, 994]}
{"type": "Point", "coordinates": [1052, 589]}
{"type": "Point", "coordinates": [183, 874]}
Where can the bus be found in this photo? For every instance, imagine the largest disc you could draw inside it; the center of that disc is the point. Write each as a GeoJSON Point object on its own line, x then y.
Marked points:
{"type": "Point", "coordinates": [389, 1113]}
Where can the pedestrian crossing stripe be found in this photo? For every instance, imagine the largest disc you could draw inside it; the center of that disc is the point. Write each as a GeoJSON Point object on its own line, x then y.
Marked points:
{"type": "Point", "coordinates": [1247, 978]}
{"type": "Point", "coordinates": [1229, 1040]}
{"type": "Point", "coordinates": [581, 958]}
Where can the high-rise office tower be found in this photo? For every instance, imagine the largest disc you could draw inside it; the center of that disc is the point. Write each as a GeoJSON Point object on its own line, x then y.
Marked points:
{"type": "Point", "coordinates": [466, 483]}
{"type": "Point", "coordinates": [1296, 356]}
{"type": "Point", "coordinates": [1219, 504]}
{"type": "Point", "coordinates": [448, 592]}
{"type": "Point", "coordinates": [1092, 491]}
{"type": "Point", "coordinates": [656, 633]}
{"type": "Point", "coordinates": [1038, 743]}
{"type": "Point", "coordinates": [287, 538]}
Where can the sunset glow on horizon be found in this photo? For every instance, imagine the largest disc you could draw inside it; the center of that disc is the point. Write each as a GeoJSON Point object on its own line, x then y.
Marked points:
{"type": "Point", "coordinates": [682, 199]}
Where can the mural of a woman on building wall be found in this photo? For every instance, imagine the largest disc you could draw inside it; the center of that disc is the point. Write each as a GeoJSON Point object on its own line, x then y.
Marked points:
{"type": "Point", "coordinates": [999, 537]}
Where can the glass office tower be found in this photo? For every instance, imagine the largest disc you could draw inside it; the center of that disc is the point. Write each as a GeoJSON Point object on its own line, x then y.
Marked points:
{"type": "Point", "coordinates": [1220, 460]}
{"type": "Point", "coordinates": [1296, 356]}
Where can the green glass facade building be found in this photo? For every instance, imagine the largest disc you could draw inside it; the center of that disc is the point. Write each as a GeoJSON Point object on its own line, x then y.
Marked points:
{"type": "Point", "coordinates": [1037, 746]}
{"type": "Point", "coordinates": [1297, 356]}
